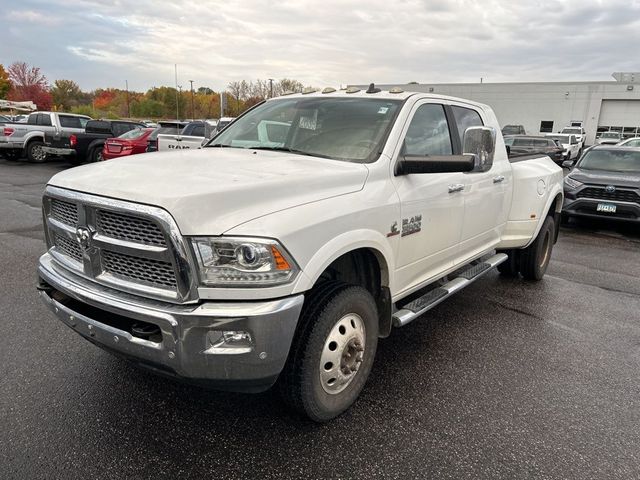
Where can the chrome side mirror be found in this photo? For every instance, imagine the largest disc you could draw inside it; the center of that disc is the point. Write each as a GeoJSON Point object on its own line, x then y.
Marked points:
{"type": "Point", "coordinates": [481, 142]}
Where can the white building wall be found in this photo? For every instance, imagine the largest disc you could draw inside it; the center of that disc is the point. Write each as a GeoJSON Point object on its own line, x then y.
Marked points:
{"type": "Point", "coordinates": [530, 103]}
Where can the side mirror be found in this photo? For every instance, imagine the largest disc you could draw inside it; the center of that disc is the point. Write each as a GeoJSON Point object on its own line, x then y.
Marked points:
{"type": "Point", "coordinates": [480, 142]}
{"type": "Point", "coordinates": [567, 164]}
{"type": "Point", "coordinates": [435, 164]}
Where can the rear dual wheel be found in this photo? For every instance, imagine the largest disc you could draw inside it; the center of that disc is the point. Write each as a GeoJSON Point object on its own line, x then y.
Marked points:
{"type": "Point", "coordinates": [532, 262]}
{"type": "Point", "coordinates": [332, 352]}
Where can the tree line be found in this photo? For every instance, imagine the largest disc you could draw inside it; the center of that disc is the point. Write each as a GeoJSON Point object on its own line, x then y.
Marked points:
{"type": "Point", "coordinates": [22, 82]}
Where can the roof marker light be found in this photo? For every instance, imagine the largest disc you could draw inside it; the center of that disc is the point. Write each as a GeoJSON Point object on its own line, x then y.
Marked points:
{"type": "Point", "coordinates": [352, 90]}
{"type": "Point", "coordinates": [308, 90]}
{"type": "Point", "coordinates": [288, 92]}
{"type": "Point", "coordinates": [396, 90]}
{"type": "Point", "coordinates": [372, 89]}
{"type": "Point", "coordinates": [328, 90]}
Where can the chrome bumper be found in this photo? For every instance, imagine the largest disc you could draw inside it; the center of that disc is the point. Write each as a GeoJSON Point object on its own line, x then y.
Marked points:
{"type": "Point", "coordinates": [187, 347]}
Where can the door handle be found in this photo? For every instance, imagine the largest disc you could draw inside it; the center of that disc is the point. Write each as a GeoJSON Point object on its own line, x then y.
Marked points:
{"type": "Point", "coordinates": [456, 187]}
{"type": "Point", "coordinates": [498, 179]}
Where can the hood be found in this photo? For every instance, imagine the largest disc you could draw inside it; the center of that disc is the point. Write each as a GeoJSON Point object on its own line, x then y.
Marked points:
{"type": "Point", "coordinates": [601, 177]}
{"type": "Point", "coordinates": [211, 190]}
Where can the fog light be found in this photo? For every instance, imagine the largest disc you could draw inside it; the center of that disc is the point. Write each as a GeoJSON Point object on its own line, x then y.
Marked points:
{"type": "Point", "coordinates": [229, 342]}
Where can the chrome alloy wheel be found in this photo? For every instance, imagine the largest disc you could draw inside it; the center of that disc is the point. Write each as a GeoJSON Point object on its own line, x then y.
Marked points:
{"type": "Point", "coordinates": [342, 354]}
{"type": "Point", "coordinates": [38, 153]}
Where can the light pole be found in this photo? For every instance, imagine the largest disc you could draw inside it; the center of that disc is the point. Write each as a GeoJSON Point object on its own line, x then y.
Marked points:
{"type": "Point", "coordinates": [193, 115]}
{"type": "Point", "coordinates": [271, 88]}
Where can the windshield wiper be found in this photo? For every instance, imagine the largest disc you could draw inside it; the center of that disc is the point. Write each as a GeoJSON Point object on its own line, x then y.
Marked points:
{"type": "Point", "coordinates": [290, 150]}
{"type": "Point", "coordinates": [220, 145]}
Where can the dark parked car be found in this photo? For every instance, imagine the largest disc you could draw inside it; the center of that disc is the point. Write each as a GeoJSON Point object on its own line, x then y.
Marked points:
{"type": "Point", "coordinates": [513, 130]}
{"type": "Point", "coordinates": [605, 182]}
{"type": "Point", "coordinates": [168, 127]}
{"type": "Point", "coordinates": [529, 145]}
{"type": "Point", "coordinates": [87, 146]}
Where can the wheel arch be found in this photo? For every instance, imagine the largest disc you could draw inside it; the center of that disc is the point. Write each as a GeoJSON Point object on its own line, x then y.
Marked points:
{"type": "Point", "coordinates": [358, 259]}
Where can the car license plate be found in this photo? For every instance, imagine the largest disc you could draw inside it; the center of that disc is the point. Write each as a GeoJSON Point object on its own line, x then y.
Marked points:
{"type": "Point", "coordinates": [606, 208]}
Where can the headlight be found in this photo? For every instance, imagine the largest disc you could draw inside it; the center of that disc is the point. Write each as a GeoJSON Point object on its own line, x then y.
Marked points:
{"type": "Point", "coordinates": [571, 183]}
{"type": "Point", "coordinates": [242, 262]}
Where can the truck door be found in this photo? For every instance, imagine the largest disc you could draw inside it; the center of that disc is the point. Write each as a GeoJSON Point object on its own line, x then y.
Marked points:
{"type": "Point", "coordinates": [485, 193]}
{"type": "Point", "coordinates": [431, 206]}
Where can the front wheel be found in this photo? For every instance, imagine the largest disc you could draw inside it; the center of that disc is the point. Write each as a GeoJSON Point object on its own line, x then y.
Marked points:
{"type": "Point", "coordinates": [534, 259]}
{"type": "Point", "coordinates": [332, 352]}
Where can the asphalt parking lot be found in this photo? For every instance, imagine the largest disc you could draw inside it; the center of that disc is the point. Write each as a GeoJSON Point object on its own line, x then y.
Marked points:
{"type": "Point", "coordinates": [506, 380]}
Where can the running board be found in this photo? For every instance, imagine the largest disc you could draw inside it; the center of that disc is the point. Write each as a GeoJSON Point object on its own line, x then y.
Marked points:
{"type": "Point", "coordinates": [414, 309]}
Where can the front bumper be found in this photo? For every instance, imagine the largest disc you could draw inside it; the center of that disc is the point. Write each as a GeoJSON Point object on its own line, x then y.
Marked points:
{"type": "Point", "coordinates": [587, 207]}
{"type": "Point", "coordinates": [186, 344]}
{"type": "Point", "coordinates": [63, 152]}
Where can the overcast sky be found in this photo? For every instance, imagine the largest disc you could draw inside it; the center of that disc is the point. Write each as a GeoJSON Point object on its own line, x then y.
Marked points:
{"type": "Point", "coordinates": [102, 43]}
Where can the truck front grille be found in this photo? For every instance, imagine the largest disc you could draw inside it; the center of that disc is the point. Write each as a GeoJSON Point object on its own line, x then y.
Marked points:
{"type": "Point", "coordinates": [619, 195]}
{"type": "Point", "coordinates": [153, 272]}
{"type": "Point", "coordinates": [126, 246]}
{"type": "Point", "coordinates": [64, 212]}
{"type": "Point", "coordinates": [128, 227]}
{"type": "Point", "coordinates": [68, 247]}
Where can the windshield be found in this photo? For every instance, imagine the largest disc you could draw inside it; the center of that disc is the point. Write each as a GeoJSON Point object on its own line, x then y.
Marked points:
{"type": "Point", "coordinates": [560, 139]}
{"type": "Point", "coordinates": [610, 135]}
{"type": "Point", "coordinates": [350, 129]}
{"type": "Point", "coordinates": [611, 160]}
{"type": "Point", "coordinates": [575, 131]}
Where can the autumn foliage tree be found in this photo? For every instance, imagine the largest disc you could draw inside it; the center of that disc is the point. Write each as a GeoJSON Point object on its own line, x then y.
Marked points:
{"type": "Point", "coordinates": [27, 83]}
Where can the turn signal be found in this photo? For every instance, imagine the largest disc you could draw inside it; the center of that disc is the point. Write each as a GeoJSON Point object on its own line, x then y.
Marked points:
{"type": "Point", "coordinates": [281, 262]}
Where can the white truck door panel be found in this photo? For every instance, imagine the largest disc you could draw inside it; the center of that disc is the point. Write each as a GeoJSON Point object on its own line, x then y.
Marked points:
{"type": "Point", "coordinates": [431, 215]}
{"type": "Point", "coordinates": [485, 209]}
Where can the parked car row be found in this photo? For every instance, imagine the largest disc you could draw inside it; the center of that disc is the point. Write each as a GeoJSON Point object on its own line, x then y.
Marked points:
{"type": "Point", "coordinates": [78, 138]}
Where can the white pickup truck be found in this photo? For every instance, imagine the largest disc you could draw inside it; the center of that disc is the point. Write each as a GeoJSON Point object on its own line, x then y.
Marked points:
{"type": "Point", "coordinates": [249, 263]}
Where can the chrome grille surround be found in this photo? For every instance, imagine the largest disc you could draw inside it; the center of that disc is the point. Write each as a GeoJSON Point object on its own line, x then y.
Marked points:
{"type": "Point", "coordinates": [149, 258]}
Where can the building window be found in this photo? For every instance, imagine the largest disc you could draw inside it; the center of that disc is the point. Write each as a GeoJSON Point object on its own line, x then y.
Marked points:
{"type": "Point", "coordinates": [546, 126]}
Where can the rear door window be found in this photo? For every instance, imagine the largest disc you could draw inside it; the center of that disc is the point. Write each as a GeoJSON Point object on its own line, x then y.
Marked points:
{"type": "Point", "coordinates": [68, 121]}
{"type": "Point", "coordinates": [44, 119]}
{"type": "Point", "coordinates": [465, 118]}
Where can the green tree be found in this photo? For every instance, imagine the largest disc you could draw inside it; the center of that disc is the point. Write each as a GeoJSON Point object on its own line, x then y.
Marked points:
{"type": "Point", "coordinates": [5, 83]}
{"type": "Point", "coordinates": [67, 94]}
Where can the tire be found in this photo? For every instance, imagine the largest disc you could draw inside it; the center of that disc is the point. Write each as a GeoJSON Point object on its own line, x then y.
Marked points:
{"type": "Point", "coordinates": [96, 155]}
{"type": "Point", "coordinates": [35, 154]}
{"type": "Point", "coordinates": [510, 267]}
{"type": "Point", "coordinates": [534, 259]}
{"type": "Point", "coordinates": [313, 381]}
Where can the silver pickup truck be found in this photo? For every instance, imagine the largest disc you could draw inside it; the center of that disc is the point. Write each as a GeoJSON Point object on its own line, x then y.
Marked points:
{"type": "Point", "coordinates": [18, 139]}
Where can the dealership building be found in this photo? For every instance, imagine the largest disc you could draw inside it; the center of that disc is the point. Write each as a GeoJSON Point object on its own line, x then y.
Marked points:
{"type": "Point", "coordinates": [547, 107]}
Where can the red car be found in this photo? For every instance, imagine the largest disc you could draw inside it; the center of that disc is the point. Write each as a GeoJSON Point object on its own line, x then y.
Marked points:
{"type": "Point", "coordinates": [129, 143]}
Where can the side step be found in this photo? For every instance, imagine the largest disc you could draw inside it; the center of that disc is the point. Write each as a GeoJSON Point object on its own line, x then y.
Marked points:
{"type": "Point", "coordinates": [414, 309]}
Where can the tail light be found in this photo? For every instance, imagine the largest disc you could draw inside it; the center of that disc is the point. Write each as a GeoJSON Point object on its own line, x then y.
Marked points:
{"type": "Point", "coordinates": [6, 131]}
{"type": "Point", "coordinates": [73, 140]}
